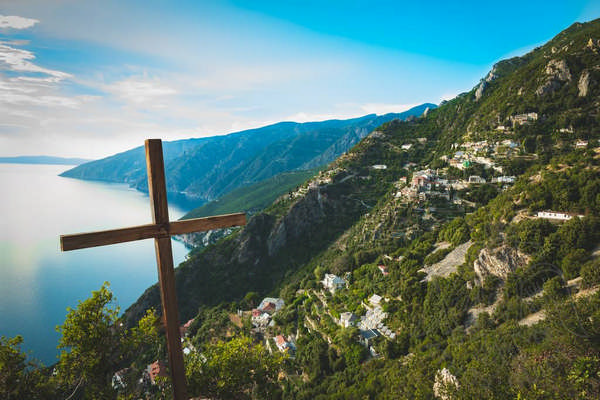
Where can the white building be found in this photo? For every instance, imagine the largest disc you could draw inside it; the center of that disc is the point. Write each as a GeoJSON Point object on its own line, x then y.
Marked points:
{"type": "Point", "coordinates": [521, 119]}
{"type": "Point", "coordinates": [261, 319]}
{"type": "Point", "coordinates": [375, 300]}
{"type": "Point", "coordinates": [476, 179]}
{"type": "Point", "coordinates": [271, 304]}
{"type": "Point", "coordinates": [561, 216]}
{"type": "Point", "coordinates": [348, 319]}
{"type": "Point", "coordinates": [504, 179]}
{"type": "Point", "coordinates": [379, 166]}
{"type": "Point", "coordinates": [333, 282]}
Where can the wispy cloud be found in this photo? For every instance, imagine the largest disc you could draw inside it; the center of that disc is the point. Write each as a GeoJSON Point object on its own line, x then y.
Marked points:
{"type": "Point", "coordinates": [19, 60]}
{"type": "Point", "coordinates": [16, 22]}
{"type": "Point", "coordinates": [140, 90]}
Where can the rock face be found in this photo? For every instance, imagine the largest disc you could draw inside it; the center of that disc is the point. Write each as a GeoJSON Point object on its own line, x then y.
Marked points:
{"type": "Point", "coordinates": [558, 69]}
{"type": "Point", "coordinates": [584, 83]}
{"type": "Point", "coordinates": [480, 90]}
{"type": "Point", "coordinates": [204, 239]}
{"type": "Point", "coordinates": [557, 73]}
{"type": "Point", "coordinates": [444, 384]}
{"type": "Point", "coordinates": [485, 83]}
{"type": "Point", "coordinates": [498, 262]}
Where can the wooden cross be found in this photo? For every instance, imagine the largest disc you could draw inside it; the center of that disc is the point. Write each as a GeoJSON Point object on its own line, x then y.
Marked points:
{"type": "Point", "coordinates": [161, 230]}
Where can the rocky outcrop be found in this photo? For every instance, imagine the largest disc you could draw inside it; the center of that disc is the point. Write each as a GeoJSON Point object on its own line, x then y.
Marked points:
{"type": "Point", "coordinates": [201, 240]}
{"type": "Point", "coordinates": [557, 73]}
{"type": "Point", "coordinates": [498, 262]}
{"type": "Point", "coordinates": [480, 89]}
{"type": "Point", "coordinates": [485, 83]}
{"type": "Point", "coordinates": [584, 83]}
{"type": "Point", "coordinates": [445, 383]}
{"type": "Point", "coordinates": [558, 69]}
{"type": "Point", "coordinates": [593, 44]}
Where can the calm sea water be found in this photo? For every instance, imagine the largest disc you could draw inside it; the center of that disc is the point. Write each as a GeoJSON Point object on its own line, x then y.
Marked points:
{"type": "Point", "coordinates": [38, 281]}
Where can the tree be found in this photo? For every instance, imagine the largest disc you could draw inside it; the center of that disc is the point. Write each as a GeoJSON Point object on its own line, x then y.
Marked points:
{"type": "Point", "coordinates": [19, 378]}
{"type": "Point", "coordinates": [236, 369]}
{"type": "Point", "coordinates": [144, 344]}
{"type": "Point", "coordinates": [91, 342]}
{"type": "Point", "coordinates": [251, 299]}
{"type": "Point", "coordinates": [455, 232]}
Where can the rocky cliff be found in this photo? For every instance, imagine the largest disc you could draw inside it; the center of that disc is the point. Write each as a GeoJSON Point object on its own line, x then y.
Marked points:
{"type": "Point", "coordinates": [498, 262]}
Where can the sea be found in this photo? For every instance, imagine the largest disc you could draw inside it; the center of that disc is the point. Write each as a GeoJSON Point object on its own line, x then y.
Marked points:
{"type": "Point", "coordinates": [38, 282]}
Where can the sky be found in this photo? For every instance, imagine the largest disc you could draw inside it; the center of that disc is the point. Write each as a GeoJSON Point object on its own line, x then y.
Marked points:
{"type": "Point", "coordinates": [83, 78]}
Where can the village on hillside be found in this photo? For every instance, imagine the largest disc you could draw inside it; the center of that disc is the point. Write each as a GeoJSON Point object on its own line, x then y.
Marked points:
{"type": "Point", "coordinates": [418, 187]}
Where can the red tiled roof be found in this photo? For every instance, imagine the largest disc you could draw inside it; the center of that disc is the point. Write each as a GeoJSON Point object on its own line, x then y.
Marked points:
{"type": "Point", "coordinates": [156, 369]}
{"type": "Point", "coordinates": [269, 307]}
{"type": "Point", "coordinates": [280, 340]}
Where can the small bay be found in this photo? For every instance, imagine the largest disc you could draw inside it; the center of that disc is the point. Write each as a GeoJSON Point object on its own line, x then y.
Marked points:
{"type": "Point", "coordinates": [38, 281]}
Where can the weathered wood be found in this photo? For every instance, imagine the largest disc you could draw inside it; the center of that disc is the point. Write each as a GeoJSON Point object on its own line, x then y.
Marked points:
{"type": "Point", "coordinates": [206, 224]}
{"type": "Point", "coordinates": [141, 232]}
{"type": "Point", "coordinates": [166, 280]}
{"type": "Point", "coordinates": [161, 230]}
{"type": "Point", "coordinates": [157, 189]}
{"type": "Point", "coordinates": [103, 238]}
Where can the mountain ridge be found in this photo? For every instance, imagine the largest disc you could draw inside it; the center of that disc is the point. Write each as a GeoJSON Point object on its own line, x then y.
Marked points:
{"type": "Point", "coordinates": [207, 168]}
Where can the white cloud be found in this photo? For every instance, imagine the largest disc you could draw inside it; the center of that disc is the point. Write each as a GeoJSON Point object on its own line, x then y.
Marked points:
{"type": "Point", "coordinates": [18, 60]}
{"type": "Point", "coordinates": [139, 90]}
{"type": "Point", "coordinates": [45, 101]}
{"type": "Point", "coordinates": [16, 22]}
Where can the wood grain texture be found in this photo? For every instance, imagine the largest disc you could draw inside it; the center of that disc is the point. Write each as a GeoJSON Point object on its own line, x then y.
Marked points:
{"type": "Point", "coordinates": [114, 236]}
{"type": "Point", "coordinates": [206, 224]}
{"type": "Point", "coordinates": [166, 280]}
{"type": "Point", "coordinates": [157, 187]}
{"type": "Point", "coordinates": [103, 238]}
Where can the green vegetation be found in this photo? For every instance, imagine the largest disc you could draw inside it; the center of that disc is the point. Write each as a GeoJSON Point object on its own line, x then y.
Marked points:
{"type": "Point", "coordinates": [237, 369]}
{"type": "Point", "coordinates": [253, 198]}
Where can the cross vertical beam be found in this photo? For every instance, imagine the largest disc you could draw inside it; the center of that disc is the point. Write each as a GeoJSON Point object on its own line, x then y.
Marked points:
{"type": "Point", "coordinates": [164, 261]}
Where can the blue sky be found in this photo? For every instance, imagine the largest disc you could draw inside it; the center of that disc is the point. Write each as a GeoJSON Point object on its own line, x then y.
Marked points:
{"type": "Point", "coordinates": [90, 78]}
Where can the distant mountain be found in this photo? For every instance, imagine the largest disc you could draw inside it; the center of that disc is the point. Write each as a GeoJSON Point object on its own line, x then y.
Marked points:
{"type": "Point", "coordinates": [207, 168]}
{"type": "Point", "coordinates": [43, 160]}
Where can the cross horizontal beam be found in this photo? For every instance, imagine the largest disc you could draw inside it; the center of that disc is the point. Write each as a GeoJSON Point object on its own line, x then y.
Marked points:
{"type": "Point", "coordinates": [113, 236]}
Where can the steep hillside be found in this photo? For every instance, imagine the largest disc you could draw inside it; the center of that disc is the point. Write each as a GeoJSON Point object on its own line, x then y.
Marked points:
{"type": "Point", "coordinates": [249, 199]}
{"type": "Point", "coordinates": [353, 186]}
{"type": "Point", "coordinates": [205, 169]}
{"type": "Point", "coordinates": [466, 240]}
